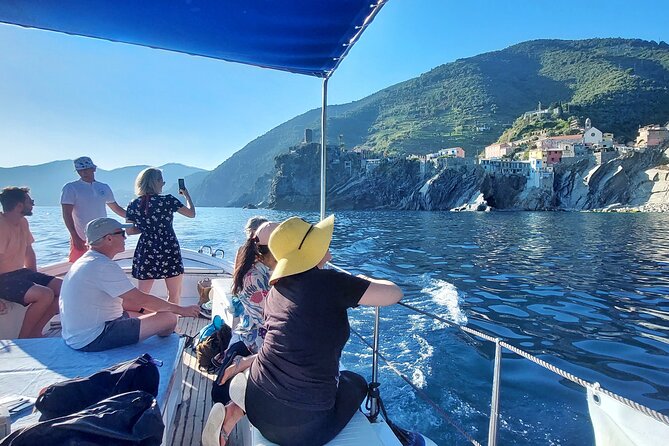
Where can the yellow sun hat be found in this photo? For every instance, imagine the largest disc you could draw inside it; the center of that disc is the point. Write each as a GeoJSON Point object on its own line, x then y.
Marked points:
{"type": "Point", "coordinates": [298, 245]}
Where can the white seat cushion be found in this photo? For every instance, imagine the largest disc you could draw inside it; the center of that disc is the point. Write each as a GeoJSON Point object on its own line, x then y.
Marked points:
{"type": "Point", "coordinates": [357, 432]}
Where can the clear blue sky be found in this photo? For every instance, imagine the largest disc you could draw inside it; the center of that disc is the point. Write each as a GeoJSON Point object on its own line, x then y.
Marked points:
{"type": "Point", "coordinates": [63, 96]}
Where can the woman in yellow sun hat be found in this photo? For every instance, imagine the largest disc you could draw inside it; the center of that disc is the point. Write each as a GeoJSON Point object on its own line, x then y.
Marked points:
{"type": "Point", "coordinates": [292, 390]}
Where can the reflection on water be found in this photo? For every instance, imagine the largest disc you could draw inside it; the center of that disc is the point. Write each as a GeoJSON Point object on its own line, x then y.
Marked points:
{"type": "Point", "coordinates": [586, 292]}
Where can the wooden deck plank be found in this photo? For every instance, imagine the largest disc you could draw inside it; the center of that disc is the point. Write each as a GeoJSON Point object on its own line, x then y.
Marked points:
{"type": "Point", "coordinates": [180, 417]}
{"type": "Point", "coordinates": [194, 409]}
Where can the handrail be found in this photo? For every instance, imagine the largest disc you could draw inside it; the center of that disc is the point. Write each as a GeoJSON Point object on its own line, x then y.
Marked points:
{"type": "Point", "coordinates": [499, 343]}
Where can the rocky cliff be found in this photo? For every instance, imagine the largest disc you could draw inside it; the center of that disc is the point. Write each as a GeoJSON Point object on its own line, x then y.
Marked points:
{"type": "Point", "coordinates": [638, 180]}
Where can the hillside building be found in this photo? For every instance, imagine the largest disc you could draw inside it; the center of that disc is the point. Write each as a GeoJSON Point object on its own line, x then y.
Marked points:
{"type": "Point", "coordinates": [551, 142]}
{"type": "Point", "coordinates": [593, 135]}
{"type": "Point", "coordinates": [651, 136]}
{"type": "Point", "coordinates": [498, 150]}
{"type": "Point", "coordinates": [371, 164]}
{"type": "Point", "coordinates": [503, 167]}
{"type": "Point", "coordinates": [538, 174]}
{"type": "Point", "coordinates": [455, 152]}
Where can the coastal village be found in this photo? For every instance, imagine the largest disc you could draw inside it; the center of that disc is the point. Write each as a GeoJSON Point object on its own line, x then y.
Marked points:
{"type": "Point", "coordinates": [536, 156]}
{"type": "Point", "coordinates": [543, 161]}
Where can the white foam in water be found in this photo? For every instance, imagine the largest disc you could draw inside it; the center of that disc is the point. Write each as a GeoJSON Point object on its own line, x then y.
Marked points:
{"type": "Point", "coordinates": [446, 295]}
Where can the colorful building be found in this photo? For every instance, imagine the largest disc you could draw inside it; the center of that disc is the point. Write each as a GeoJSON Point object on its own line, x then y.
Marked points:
{"type": "Point", "coordinates": [498, 150]}
{"type": "Point", "coordinates": [651, 136]}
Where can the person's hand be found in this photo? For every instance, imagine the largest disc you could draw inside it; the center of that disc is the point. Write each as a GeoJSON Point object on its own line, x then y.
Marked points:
{"type": "Point", "coordinates": [79, 243]}
{"type": "Point", "coordinates": [189, 311]}
{"type": "Point", "coordinates": [231, 371]}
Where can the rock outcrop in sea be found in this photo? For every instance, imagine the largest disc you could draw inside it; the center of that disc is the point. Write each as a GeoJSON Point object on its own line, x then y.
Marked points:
{"type": "Point", "coordinates": [633, 181]}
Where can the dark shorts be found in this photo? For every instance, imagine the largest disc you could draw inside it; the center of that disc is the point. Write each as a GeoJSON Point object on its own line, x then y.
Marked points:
{"type": "Point", "coordinates": [15, 284]}
{"type": "Point", "coordinates": [117, 333]}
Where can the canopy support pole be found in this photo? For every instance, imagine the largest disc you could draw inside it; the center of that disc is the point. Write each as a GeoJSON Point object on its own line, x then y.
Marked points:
{"type": "Point", "coordinates": [324, 117]}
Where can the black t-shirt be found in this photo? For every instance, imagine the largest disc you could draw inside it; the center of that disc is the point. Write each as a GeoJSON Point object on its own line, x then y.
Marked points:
{"type": "Point", "coordinates": [307, 328]}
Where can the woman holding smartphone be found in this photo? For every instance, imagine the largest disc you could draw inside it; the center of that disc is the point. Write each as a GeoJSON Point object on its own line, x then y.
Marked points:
{"type": "Point", "coordinates": [158, 254]}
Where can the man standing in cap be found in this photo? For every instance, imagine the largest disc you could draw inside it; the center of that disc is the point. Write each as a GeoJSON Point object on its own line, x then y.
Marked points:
{"type": "Point", "coordinates": [97, 297]}
{"type": "Point", "coordinates": [19, 280]}
{"type": "Point", "coordinates": [84, 200]}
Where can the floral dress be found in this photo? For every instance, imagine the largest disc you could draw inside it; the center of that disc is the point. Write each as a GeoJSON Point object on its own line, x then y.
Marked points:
{"type": "Point", "coordinates": [157, 255]}
{"type": "Point", "coordinates": [252, 298]}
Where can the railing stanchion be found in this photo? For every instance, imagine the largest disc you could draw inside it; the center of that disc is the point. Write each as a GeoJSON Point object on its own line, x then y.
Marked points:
{"type": "Point", "coordinates": [494, 402]}
{"type": "Point", "coordinates": [374, 385]}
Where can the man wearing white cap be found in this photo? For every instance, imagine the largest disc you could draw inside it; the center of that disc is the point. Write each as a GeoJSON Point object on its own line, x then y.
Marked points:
{"type": "Point", "coordinates": [97, 298]}
{"type": "Point", "coordinates": [85, 200]}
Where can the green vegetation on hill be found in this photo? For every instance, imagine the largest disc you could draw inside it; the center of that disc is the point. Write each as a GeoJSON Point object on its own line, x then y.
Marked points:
{"type": "Point", "coordinates": [618, 83]}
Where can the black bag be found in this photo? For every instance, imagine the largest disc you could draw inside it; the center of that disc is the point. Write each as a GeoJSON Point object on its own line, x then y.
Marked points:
{"type": "Point", "coordinates": [212, 345]}
{"type": "Point", "coordinates": [131, 418]}
{"type": "Point", "coordinates": [68, 397]}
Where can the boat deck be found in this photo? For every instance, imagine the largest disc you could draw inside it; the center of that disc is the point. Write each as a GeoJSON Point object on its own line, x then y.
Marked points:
{"type": "Point", "coordinates": [195, 391]}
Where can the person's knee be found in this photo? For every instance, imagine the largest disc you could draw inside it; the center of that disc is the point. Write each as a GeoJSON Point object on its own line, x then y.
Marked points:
{"type": "Point", "coordinates": [55, 285]}
{"type": "Point", "coordinates": [171, 321]}
{"type": "Point", "coordinates": [168, 323]}
{"type": "Point", "coordinates": [39, 294]}
{"type": "Point", "coordinates": [356, 383]}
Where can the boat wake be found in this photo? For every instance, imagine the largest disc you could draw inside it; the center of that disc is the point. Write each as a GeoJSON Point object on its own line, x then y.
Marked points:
{"type": "Point", "coordinates": [447, 297]}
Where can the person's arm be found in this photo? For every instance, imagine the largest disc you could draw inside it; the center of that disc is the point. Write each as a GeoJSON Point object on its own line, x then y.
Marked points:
{"type": "Point", "coordinates": [238, 365]}
{"type": "Point", "coordinates": [30, 261]}
{"type": "Point", "coordinates": [189, 209]}
{"type": "Point", "coordinates": [380, 293]}
{"type": "Point", "coordinates": [118, 210]}
{"type": "Point", "coordinates": [135, 300]}
{"type": "Point", "coordinates": [68, 209]}
{"type": "Point", "coordinates": [134, 230]}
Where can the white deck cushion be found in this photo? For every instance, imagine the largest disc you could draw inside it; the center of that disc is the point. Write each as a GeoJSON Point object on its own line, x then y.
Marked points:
{"type": "Point", "coordinates": [28, 365]}
{"type": "Point", "coordinates": [357, 432]}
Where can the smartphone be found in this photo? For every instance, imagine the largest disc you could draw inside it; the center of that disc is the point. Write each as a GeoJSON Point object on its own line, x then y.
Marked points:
{"type": "Point", "coordinates": [182, 184]}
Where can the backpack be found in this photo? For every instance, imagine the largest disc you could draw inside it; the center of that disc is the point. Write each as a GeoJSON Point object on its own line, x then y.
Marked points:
{"type": "Point", "coordinates": [127, 419]}
{"type": "Point", "coordinates": [212, 340]}
{"type": "Point", "coordinates": [67, 397]}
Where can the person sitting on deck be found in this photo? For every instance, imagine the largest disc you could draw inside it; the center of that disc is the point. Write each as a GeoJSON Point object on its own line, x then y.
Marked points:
{"type": "Point", "coordinates": [19, 280]}
{"type": "Point", "coordinates": [292, 390]}
{"type": "Point", "coordinates": [250, 285]}
{"type": "Point", "coordinates": [97, 298]}
{"type": "Point", "coordinates": [252, 225]}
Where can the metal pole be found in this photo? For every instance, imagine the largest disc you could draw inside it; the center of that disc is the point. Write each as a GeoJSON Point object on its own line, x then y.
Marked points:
{"type": "Point", "coordinates": [494, 403]}
{"type": "Point", "coordinates": [324, 117]}
{"type": "Point", "coordinates": [374, 396]}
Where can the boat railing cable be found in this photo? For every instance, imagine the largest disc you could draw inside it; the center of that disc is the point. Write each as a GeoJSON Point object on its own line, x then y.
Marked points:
{"type": "Point", "coordinates": [499, 344]}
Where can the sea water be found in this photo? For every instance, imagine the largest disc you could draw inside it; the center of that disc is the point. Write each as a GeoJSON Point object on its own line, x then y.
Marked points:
{"type": "Point", "coordinates": [586, 292]}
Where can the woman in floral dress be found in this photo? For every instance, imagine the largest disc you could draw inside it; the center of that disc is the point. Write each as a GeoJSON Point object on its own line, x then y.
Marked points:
{"type": "Point", "coordinates": [250, 286]}
{"type": "Point", "coordinates": [157, 255]}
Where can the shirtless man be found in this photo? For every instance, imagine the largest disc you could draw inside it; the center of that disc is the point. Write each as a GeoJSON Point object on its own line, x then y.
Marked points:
{"type": "Point", "coordinates": [19, 280]}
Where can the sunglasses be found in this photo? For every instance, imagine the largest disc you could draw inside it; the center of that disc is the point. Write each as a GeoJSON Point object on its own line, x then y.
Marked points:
{"type": "Point", "coordinates": [121, 232]}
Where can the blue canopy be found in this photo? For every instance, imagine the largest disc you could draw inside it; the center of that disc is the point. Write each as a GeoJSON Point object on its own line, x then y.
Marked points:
{"type": "Point", "coordinates": [301, 36]}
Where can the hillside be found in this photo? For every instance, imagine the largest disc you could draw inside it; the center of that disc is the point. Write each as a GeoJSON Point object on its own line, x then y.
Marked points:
{"type": "Point", "coordinates": [618, 83]}
{"type": "Point", "coordinates": [46, 180]}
